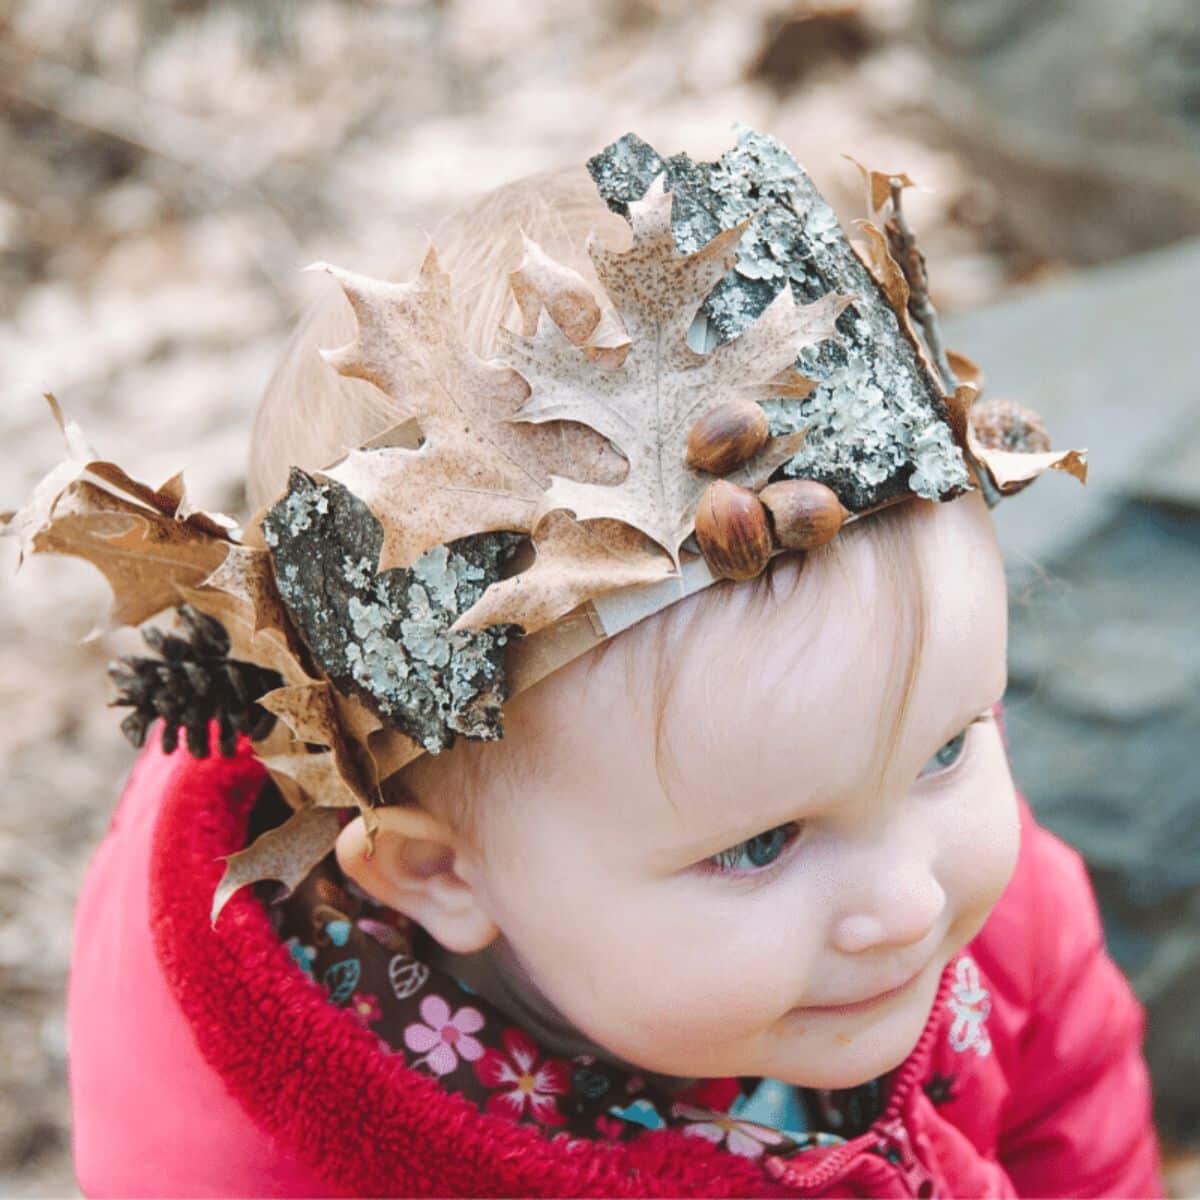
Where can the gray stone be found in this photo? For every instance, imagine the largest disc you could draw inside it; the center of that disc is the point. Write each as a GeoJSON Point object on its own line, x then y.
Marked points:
{"type": "Point", "coordinates": [1110, 360]}
{"type": "Point", "coordinates": [1103, 716]}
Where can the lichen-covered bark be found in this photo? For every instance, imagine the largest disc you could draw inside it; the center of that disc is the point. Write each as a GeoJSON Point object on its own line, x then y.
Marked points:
{"type": "Point", "coordinates": [877, 428]}
{"type": "Point", "coordinates": [385, 637]}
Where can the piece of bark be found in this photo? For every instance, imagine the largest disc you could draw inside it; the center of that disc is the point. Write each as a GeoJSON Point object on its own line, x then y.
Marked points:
{"type": "Point", "coordinates": [385, 637]}
{"type": "Point", "coordinates": [877, 425]}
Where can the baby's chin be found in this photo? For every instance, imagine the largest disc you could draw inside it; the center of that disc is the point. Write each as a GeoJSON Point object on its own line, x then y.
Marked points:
{"type": "Point", "coordinates": [847, 1071]}
{"type": "Point", "coordinates": [843, 1053]}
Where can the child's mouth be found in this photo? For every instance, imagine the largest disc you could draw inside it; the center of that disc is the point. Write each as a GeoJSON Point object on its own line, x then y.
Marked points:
{"type": "Point", "coordinates": [862, 1005]}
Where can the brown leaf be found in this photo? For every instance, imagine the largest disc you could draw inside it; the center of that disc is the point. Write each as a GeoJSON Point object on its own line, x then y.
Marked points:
{"type": "Point", "coordinates": [646, 406]}
{"type": "Point", "coordinates": [313, 776]}
{"type": "Point", "coordinates": [476, 471]}
{"type": "Point", "coordinates": [388, 749]}
{"type": "Point", "coordinates": [241, 594]}
{"type": "Point", "coordinates": [965, 370]}
{"type": "Point", "coordinates": [958, 409]}
{"type": "Point", "coordinates": [310, 711]}
{"type": "Point", "coordinates": [1009, 470]}
{"type": "Point", "coordinates": [540, 282]}
{"type": "Point", "coordinates": [147, 558]}
{"type": "Point", "coordinates": [886, 271]}
{"type": "Point", "coordinates": [287, 853]}
{"type": "Point", "coordinates": [564, 573]}
{"type": "Point", "coordinates": [82, 460]}
{"type": "Point", "coordinates": [879, 185]}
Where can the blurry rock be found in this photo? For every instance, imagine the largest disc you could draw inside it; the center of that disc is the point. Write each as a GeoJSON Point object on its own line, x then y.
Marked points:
{"type": "Point", "coordinates": [1085, 115]}
{"type": "Point", "coordinates": [1103, 715]}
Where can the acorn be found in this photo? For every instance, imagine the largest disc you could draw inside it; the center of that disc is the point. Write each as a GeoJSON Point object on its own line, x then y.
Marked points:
{"type": "Point", "coordinates": [732, 531]}
{"type": "Point", "coordinates": [805, 514]}
{"type": "Point", "coordinates": [727, 436]}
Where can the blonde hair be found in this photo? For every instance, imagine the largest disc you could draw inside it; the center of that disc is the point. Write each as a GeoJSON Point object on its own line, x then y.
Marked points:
{"type": "Point", "coordinates": [310, 416]}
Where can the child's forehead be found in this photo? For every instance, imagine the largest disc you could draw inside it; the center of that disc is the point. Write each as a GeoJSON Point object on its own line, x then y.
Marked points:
{"type": "Point", "coordinates": [798, 694]}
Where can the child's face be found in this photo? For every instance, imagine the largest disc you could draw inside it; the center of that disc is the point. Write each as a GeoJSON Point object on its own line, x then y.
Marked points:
{"type": "Point", "coordinates": [860, 874]}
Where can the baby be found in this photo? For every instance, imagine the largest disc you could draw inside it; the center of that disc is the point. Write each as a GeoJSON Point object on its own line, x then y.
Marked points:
{"type": "Point", "coordinates": [744, 901]}
{"type": "Point", "coordinates": [829, 827]}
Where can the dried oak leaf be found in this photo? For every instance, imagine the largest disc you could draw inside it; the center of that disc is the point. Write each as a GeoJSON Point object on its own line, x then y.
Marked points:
{"type": "Point", "coordinates": [287, 853]}
{"type": "Point", "coordinates": [310, 711]}
{"type": "Point", "coordinates": [647, 404]}
{"type": "Point", "coordinates": [136, 535]}
{"type": "Point", "coordinates": [312, 783]}
{"type": "Point", "coordinates": [476, 470]}
{"type": "Point", "coordinates": [146, 557]}
{"type": "Point", "coordinates": [241, 593]}
{"type": "Point", "coordinates": [1009, 470]}
{"type": "Point", "coordinates": [170, 499]}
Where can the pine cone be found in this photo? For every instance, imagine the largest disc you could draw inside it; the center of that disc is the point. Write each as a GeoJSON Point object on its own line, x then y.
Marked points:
{"type": "Point", "coordinates": [193, 682]}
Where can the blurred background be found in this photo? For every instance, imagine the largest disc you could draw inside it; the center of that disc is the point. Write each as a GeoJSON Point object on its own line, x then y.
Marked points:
{"type": "Point", "coordinates": [168, 166]}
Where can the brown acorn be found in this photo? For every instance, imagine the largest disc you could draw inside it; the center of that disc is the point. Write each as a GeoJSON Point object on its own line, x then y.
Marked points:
{"type": "Point", "coordinates": [727, 436]}
{"type": "Point", "coordinates": [805, 514]}
{"type": "Point", "coordinates": [732, 531]}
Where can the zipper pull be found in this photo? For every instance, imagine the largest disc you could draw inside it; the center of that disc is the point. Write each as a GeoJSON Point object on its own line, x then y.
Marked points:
{"type": "Point", "coordinates": [896, 1147]}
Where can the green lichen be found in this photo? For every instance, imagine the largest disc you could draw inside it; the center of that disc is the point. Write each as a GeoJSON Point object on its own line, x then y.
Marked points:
{"type": "Point", "coordinates": [385, 637]}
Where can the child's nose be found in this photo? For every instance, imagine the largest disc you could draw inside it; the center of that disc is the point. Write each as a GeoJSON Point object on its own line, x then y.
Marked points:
{"type": "Point", "coordinates": [895, 914]}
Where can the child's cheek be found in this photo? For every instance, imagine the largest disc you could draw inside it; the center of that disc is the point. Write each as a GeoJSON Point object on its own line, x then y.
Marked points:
{"type": "Point", "coordinates": [983, 843]}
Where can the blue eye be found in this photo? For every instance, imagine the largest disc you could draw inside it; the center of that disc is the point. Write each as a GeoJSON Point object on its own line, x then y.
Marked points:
{"type": "Point", "coordinates": [948, 754]}
{"type": "Point", "coordinates": [757, 852]}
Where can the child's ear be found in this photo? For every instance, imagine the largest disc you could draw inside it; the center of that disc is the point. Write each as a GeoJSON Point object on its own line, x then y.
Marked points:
{"type": "Point", "coordinates": [413, 871]}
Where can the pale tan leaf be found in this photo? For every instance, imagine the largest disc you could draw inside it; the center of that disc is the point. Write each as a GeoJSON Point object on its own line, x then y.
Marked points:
{"type": "Point", "coordinates": [540, 282]}
{"type": "Point", "coordinates": [965, 370]}
{"type": "Point", "coordinates": [287, 853]}
{"type": "Point", "coordinates": [958, 409]}
{"type": "Point", "coordinates": [655, 290]}
{"type": "Point", "coordinates": [388, 749]}
{"type": "Point", "coordinates": [565, 573]}
{"type": "Point", "coordinates": [1010, 472]}
{"type": "Point", "coordinates": [310, 711]}
{"type": "Point", "coordinates": [476, 471]}
{"type": "Point", "coordinates": [314, 774]}
{"type": "Point", "coordinates": [886, 270]}
{"type": "Point", "coordinates": [647, 406]}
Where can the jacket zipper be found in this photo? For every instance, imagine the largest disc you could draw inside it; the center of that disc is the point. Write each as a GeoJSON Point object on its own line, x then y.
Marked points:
{"type": "Point", "coordinates": [888, 1134]}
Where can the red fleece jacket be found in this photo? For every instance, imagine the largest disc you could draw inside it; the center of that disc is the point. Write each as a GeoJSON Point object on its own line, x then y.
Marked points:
{"type": "Point", "coordinates": [203, 1063]}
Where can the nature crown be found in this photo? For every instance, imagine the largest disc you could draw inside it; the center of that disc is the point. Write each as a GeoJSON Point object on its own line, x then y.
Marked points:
{"type": "Point", "coordinates": [743, 387]}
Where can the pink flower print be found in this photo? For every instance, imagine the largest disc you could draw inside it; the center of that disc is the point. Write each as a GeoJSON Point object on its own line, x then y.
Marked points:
{"type": "Point", "coordinates": [365, 1007]}
{"type": "Point", "coordinates": [527, 1086]}
{"type": "Point", "coordinates": [609, 1127]}
{"type": "Point", "coordinates": [740, 1137]}
{"type": "Point", "coordinates": [445, 1038]}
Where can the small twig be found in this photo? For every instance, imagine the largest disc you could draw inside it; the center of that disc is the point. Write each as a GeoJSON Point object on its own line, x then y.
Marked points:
{"type": "Point", "coordinates": [908, 254]}
{"type": "Point", "coordinates": [903, 245]}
